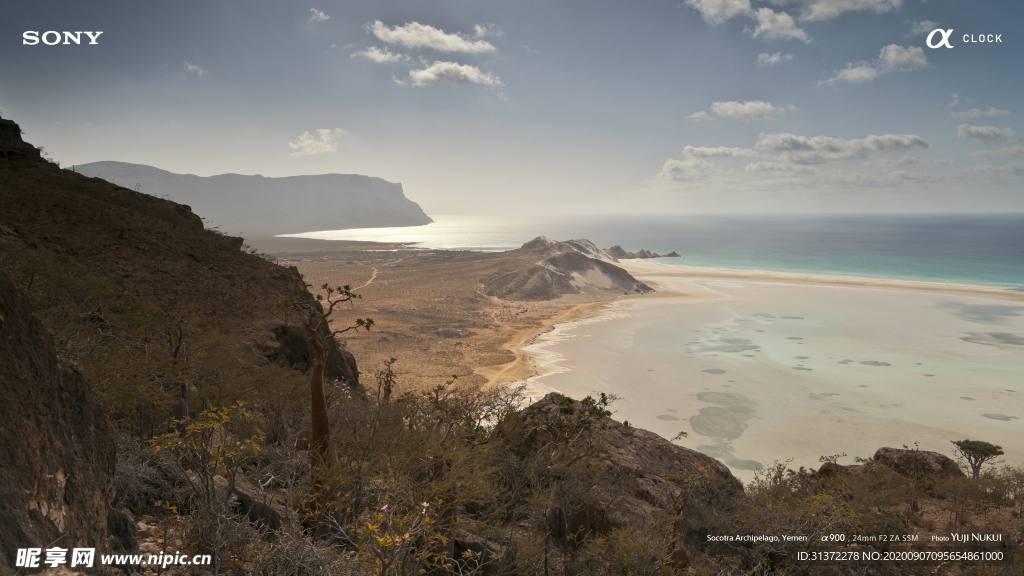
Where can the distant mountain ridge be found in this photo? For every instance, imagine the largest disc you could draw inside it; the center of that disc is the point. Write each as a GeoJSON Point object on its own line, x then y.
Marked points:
{"type": "Point", "coordinates": [256, 205]}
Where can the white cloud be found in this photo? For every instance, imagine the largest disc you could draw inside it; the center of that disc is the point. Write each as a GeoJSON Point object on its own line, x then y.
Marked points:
{"type": "Point", "coordinates": [976, 113]}
{"type": "Point", "coordinates": [894, 58]}
{"type": "Point", "coordinates": [820, 149]}
{"type": "Point", "coordinates": [778, 167]}
{"type": "Point", "coordinates": [853, 74]}
{"type": "Point", "coordinates": [773, 25]}
{"type": "Point", "coordinates": [379, 56]}
{"type": "Point", "coordinates": [481, 30]}
{"type": "Point", "coordinates": [311, 145]}
{"type": "Point", "coordinates": [713, 151]}
{"type": "Point", "coordinates": [318, 16]}
{"type": "Point", "coordinates": [986, 134]}
{"type": "Point", "coordinates": [905, 160]}
{"type": "Point", "coordinates": [954, 102]}
{"type": "Point", "coordinates": [812, 10]}
{"type": "Point", "coordinates": [749, 111]}
{"type": "Point", "coordinates": [399, 82]}
{"type": "Point", "coordinates": [891, 58]}
{"type": "Point", "coordinates": [1002, 152]}
{"type": "Point", "coordinates": [416, 35]}
{"type": "Point", "coordinates": [439, 72]}
{"type": "Point", "coordinates": [772, 59]}
{"type": "Point", "coordinates": [692, 169]}
{"type": "Point", "coordinates": [923, 27]}
{"type": "Point", "coordinates": [1015, 169]}
{"type": "Point", "coordinates": [944, 162]}
{"type": "Point", "coordinates": [195, 69]}
{"type": "Point", "coordinates": [717, 11]}
{"type": "Point", "coordinates": [698, 116]}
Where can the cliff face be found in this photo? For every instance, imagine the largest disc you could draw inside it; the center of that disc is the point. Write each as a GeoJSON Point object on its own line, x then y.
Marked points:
{"type": "Point", "coordinates": [263, 206]}
{"type": "Point", "coordinates": [57, 452]}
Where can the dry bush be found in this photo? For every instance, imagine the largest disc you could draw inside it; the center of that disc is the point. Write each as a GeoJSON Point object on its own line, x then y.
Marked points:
{"type": "Point", "coordinates": [298, 556]}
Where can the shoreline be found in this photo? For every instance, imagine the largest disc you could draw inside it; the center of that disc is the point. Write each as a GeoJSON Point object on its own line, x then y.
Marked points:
{"type": "Point", "coordinates": [643, 270]}
{"type": "Point", "coordinates": [747, 363]}
{"type": "Point", "coordinates": [535, 361]}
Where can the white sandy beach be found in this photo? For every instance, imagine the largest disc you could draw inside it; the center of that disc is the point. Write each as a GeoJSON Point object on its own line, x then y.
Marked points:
{"type": "Point", "coordinates": [761, 366]}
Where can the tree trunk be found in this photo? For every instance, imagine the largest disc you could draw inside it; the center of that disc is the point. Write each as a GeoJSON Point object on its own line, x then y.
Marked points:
{"type": "Point", "coordinates": [320, 425]}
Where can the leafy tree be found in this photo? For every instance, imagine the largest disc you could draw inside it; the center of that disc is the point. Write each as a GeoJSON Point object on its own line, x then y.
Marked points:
{"type": "Point", "coordinates": [976, 453]}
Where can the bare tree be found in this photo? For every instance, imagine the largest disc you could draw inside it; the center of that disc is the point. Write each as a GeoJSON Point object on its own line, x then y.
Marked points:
{"type": "Point", "coordinates": [321, 337]}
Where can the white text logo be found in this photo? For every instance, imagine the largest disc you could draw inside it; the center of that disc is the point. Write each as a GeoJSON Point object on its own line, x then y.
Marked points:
{"type": "Point", "coordinates": [52, 37]}
{"type": "Point", "coordinates": [945, 38]}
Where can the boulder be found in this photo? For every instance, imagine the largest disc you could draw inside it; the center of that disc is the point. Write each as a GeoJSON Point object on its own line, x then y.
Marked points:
{"type": "Point", "coordinates": [918, 463]}
{"type": "Point", "coordinates": [633, 466]}
{"type": "Point", "coordinates": [57, 452]}
{"type": "Point", "coordinates": [293, 349]}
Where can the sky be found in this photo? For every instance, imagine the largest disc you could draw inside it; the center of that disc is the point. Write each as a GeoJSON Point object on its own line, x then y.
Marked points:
{"type": "Point", "coordinates": [552, 106]}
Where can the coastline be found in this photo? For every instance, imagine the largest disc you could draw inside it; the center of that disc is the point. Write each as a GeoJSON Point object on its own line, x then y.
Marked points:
{"type": "Point", "coordinates": [649, 272]}
{"type": "Point", "coordinates": [534, 360]}
{"type": "Point", "coordinates": [747, 362]}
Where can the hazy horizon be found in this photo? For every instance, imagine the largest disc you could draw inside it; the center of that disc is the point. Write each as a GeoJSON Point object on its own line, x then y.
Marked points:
{"type": "Point", "coordinates": [699, 106]}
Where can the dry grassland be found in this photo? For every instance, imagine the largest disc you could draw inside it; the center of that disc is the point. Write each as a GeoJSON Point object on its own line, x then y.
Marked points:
{"type": "Point", "coordinates": [431, 313]}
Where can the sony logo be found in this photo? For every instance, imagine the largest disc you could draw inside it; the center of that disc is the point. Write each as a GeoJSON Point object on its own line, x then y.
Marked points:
{"type": "Point", "coordinates": [52, 37]}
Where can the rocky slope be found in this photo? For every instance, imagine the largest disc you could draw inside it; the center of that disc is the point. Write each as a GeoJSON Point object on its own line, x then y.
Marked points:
{"type": "Point", "coordinates": [265, 206]}
{"type": "Point", "coordinates": [57, 451]}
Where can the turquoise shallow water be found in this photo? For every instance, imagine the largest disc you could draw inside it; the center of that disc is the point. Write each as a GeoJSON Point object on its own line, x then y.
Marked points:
{"type": "Point", "coordinates": [970, 249]}
{"type": "Point", "coordinates": [766, 371]}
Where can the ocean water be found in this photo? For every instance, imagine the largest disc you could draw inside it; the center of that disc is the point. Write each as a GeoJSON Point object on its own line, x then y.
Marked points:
{"type": "Point", "coordinates": [968, 249]}
{"type": "Point", "coordinates": [758, 372]}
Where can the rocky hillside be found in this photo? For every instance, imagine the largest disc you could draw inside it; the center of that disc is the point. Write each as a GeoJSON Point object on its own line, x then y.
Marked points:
{"type": "Point", "coordinates": [561, 268]}
{"type": "Point", "coordinates": [125, 279]}
{"type": "Point", "coordinates": [57, 461]}
{"type": "Point", "coordinates": [257, 205]}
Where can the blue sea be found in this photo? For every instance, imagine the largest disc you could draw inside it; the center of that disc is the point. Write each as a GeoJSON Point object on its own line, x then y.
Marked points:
{"type": "Point", "coordinates": [985, 249]}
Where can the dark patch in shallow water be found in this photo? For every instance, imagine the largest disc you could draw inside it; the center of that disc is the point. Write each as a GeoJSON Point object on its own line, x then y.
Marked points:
{"type": "Point", "coordinates": [1002, 417]}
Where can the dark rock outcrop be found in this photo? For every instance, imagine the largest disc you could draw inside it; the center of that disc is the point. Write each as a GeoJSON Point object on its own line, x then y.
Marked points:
{"type": "Point", "coordinates": [122, 537]}
{"type": "Point", "coordinates": [633, 466]}
{"type": "Point", "coordinates": [57, 452]}
{"type": "Point", "coordinates": [619, 253]}
{"type": "Point", "coordinates": [918, 463]}
{"type": "Point", "coordinates": [11, 144]}
{"type": "Point", "coordinates": [260, 515]}
{"type": "Point", "coordinates": [293, 349]}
